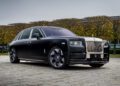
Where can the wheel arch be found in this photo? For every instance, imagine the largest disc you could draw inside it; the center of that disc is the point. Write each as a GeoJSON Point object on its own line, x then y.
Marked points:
{"type": "Point", "coordinates": [63, 44]}
{"type": "Point", "coordinates": [64, 47]}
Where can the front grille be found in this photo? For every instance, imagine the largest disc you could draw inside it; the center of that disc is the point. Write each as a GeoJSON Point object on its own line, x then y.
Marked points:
{"type": "Point", "coordinates": [94, 46]}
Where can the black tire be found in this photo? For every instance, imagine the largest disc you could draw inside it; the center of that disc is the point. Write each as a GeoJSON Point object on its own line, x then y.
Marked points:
{"type": "Point", "coordinates": [13, 56]}
{"type": "Point", "coordinates": [56, 58]}
{"type": "Point", "coordinates": [96, 65]}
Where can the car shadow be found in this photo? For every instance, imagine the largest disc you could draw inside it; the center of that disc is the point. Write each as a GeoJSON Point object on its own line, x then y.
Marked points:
{"type": "Point", "coordinates": [41, 63]}
{"type": "Point", "coordinates": [71, 67]}
{"type": "Point", "coordinates": [82, 67]}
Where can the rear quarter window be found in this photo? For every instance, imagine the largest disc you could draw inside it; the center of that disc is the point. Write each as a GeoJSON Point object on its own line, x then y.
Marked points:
{"type": "Point", "coordinates": [25, 34]}
{"type": "Point", "coordinates": [18, 36]}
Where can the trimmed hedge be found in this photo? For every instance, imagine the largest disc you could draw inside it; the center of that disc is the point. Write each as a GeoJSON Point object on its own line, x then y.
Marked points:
{"type": "Point", "coordinates": [117, 51]}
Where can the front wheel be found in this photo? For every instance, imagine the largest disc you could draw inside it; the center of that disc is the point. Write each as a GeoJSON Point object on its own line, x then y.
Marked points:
{"type": "Point", "coordinates": [96, 65]}
{"type": "Point", "coordinates": [13, 56]}
{"type": "Point", "coordinates": [56, 58]}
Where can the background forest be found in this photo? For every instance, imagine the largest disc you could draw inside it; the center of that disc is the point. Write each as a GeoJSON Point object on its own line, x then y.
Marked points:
{"type": "Point", "coordinates": [104, 27]}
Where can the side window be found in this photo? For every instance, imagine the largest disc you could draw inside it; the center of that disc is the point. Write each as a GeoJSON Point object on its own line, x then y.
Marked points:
{"type": "Point", "coordinates": [25, 34]}
{"type": "Point", "coordinates": [35, 33]}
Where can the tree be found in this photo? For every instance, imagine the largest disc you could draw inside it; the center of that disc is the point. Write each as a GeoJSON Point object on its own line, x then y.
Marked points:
{"type": "Point", "coordinates": [100, 26]}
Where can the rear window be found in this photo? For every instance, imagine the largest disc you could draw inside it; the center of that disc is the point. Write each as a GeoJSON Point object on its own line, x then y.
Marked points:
{"type": "Point", "coordinates": [18, 36]}
{"type": "Point", "coordinates": [26, 34]}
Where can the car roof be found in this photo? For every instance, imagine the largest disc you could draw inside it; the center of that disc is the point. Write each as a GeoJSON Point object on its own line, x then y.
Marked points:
{"type": "Point", "coordinates": [52, 27]}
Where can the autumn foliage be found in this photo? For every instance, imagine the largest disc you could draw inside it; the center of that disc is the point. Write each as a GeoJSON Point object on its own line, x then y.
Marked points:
{"type": "Point", "coordinates": [103, 27]}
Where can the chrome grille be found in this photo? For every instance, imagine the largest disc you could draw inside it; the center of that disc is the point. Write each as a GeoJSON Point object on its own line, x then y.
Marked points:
{"type": "Point", "coordinates": [93, 46]}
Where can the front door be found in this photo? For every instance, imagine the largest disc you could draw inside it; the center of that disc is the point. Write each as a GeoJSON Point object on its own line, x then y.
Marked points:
{"type": "Point", "coordinates": [36, 44]}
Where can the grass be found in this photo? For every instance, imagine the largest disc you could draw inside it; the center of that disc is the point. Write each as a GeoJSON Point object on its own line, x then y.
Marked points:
{"type": "Point", "coordinates": [115, 55]}
{"type": "Point", "coordinates": [3, 54]}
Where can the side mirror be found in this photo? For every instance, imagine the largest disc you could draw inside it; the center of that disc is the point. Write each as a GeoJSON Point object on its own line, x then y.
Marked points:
{"type": "Point", "coordinates": [36, 35]}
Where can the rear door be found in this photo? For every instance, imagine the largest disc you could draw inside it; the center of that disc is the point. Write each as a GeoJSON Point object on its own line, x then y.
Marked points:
{"type": "Point", "coordinates": [24, 44]}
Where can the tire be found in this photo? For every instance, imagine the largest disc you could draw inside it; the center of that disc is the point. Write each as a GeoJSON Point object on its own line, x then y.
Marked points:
{"type": "Point", "coordinates": [96, 65]}
{"type": "Point", "coordinates": [13, 56]}
{"type": "Point", "coordinates": [56, 58]}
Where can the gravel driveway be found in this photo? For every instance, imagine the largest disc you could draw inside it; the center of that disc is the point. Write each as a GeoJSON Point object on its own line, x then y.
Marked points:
{"type": "Point", "coordinates": [40, 74]}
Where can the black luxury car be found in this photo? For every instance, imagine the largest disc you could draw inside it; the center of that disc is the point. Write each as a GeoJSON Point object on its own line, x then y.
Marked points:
{"type": "Point", "coordinates": [58, 46]}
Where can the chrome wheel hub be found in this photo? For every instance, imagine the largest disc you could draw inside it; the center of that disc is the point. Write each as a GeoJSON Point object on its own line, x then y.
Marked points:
{"type": "Point", "coordinates": [56, 57]}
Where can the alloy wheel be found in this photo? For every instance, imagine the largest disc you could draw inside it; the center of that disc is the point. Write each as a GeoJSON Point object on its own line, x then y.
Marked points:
{"type": "Point", "coordinates": [56, 58]}
{"type": "Point", "coordinates": [12, 54]}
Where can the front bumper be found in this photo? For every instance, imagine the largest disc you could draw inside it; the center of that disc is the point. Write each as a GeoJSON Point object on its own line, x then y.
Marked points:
{"type": "Point", "coordinates": [78, 55]}
{"type": "Point", "coordinates": [86, 61]}
{"type": "Point", "coordinates": [81, 58]}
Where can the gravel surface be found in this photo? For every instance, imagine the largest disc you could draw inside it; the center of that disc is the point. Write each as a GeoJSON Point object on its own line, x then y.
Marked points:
{"type": "Point", "coordinates": [40, 74]}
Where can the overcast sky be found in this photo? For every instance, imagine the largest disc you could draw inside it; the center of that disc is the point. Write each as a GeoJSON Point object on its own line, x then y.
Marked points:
{"type": "Point", "coordinates": [14, 11]}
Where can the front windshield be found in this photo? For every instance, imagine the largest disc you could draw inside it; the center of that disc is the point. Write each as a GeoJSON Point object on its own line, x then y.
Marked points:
{"type": "Point", "coordinates": [57, 32]}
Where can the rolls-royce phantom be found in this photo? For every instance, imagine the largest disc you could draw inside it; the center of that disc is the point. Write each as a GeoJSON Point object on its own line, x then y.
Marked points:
{"type": "Point", "coordinates": [58, 46]}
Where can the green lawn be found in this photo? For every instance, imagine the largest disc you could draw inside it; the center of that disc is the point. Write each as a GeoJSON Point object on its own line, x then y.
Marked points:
{"type": "Point", "coordinates": [3, 54]}
{"type": "Point", "coordinates": [115, 55]}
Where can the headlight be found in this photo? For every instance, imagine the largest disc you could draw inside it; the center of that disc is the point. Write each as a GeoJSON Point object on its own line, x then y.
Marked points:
{"type": "Point", "coordinates": [106, 45]}
{"type": "Point", "coordinates": [76, 43]}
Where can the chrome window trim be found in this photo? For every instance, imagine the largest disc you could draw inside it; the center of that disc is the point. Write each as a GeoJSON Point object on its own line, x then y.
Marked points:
{"type": "Point", "coordinates": [43, 32]}
{"type": "Point", "coordinates": [31, 34]}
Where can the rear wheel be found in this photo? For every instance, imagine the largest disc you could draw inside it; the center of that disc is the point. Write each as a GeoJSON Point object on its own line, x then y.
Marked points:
{"type": "Point", "coordinates": [96, 65]}
{"type": "Point", "coordinates": [13, 56]}
{"type": "Point", "coordinates": [56, 58]}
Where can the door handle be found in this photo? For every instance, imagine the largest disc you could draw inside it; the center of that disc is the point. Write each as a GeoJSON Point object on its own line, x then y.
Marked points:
{"type": "Point", "coordinates": [28, 42]}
